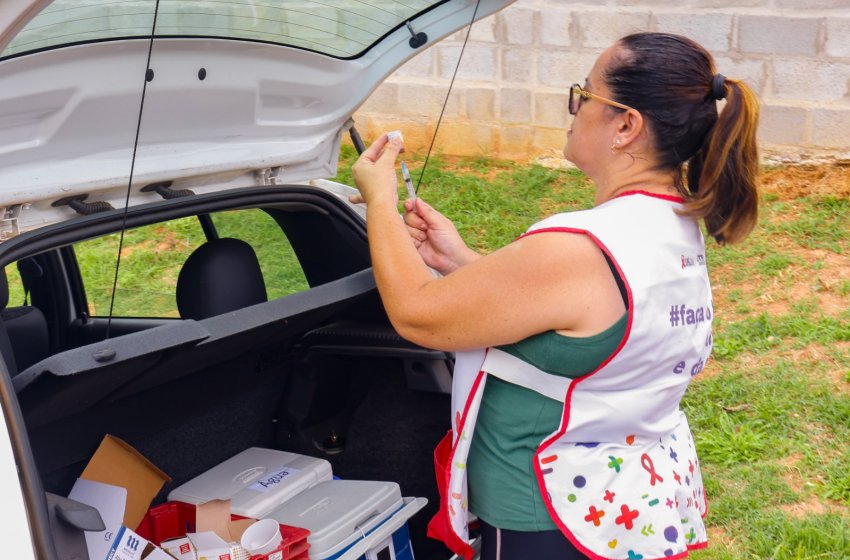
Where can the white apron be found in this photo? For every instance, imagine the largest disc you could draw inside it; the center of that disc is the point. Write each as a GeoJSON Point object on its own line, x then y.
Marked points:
{"type": "Point", "coordinates": [620, 476]}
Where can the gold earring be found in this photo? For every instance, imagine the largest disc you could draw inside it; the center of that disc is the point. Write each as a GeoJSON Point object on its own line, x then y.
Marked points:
{"type": "Point", "coordinates": [615, 146]}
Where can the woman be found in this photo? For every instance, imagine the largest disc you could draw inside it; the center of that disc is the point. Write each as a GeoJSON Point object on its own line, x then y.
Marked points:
{"type": "Point", "coordinates": [577, 341]}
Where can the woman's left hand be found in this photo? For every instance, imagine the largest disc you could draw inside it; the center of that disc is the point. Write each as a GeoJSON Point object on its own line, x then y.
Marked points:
{"type": "Point", "coordinates": [374, 172]}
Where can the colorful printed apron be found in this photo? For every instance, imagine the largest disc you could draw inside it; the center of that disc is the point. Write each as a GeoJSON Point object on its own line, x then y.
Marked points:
{"type": "Point", "coordinates": [620, 476]}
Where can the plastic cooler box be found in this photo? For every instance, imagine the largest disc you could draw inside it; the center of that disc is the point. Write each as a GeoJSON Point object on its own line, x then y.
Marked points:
{"type": "Point", "coordinates": [255, 481]}
{"type": "Point", "coordinates": [353, 519]}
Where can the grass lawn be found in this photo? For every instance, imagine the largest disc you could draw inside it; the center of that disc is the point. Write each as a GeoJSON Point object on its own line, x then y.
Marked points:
{"type": "Point", "coordinates": [771, 412]}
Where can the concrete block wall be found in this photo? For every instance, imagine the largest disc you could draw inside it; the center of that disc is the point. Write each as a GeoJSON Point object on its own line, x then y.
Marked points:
{"type": "Point", "coordinates": [510, 96]}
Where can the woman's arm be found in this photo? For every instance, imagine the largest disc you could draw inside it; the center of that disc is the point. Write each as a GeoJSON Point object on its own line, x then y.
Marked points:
{"type": "Point", "coordinates": [547, 281]}
{"type": "Point", "coordinates": [436, 238]}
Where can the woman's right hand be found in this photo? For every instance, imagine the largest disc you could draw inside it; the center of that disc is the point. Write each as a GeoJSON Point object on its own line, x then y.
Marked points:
{"type": "Point", "coordinates": [436, 237]}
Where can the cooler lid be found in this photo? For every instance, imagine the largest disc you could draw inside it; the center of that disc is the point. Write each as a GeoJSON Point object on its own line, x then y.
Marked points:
{"type": "Point", "coordinates": [258, 469]}
{"type": "Point", "coordinates": [335, 511]}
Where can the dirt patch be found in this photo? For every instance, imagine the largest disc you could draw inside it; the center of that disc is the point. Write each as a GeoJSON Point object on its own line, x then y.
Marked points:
{"type": "Point", "coordinates": [818, 276]}
{"type": "Point", "coordinates": [717, 535]}
{"type": "Point", "coordinates": [128, 249]}
{"type": "Point", "coordinates": [815, 360]}
{"type": "Point", "coordinates": [167, 240]}
{"type": "Point", "coordinates": [791, 473]}
{"type": "Point", "coordinates": [812, 505]}
{"type": "Point", "coordinates": [808, 180]}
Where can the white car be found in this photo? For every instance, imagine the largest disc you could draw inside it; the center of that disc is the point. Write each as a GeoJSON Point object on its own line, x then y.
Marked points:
{"type": "Point", "coordinates": [201, 133]}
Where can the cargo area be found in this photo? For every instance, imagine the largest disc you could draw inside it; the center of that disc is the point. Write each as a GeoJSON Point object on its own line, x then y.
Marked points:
{"type": "Point", "coordinates": [319, 373]}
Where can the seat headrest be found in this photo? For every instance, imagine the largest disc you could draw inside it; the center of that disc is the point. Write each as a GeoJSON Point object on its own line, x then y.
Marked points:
{"type": "Point", "coordinates": [219, 276]}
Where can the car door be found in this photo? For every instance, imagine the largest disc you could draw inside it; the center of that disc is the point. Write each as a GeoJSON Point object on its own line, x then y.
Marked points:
{"type": "Point", "coordinates": [121, 104]}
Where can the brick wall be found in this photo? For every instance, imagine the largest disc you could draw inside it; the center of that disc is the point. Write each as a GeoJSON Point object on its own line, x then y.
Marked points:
{"type": "Point", "coordinates": [510, 98]}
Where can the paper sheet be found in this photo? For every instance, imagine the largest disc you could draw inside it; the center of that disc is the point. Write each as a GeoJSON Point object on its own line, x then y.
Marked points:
{"type": "Point", "coordinates": [110, 502]}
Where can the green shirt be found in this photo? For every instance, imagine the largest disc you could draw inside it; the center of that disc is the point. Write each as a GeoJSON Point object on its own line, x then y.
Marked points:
{"type": "Point", "coordinates": [513, 421]}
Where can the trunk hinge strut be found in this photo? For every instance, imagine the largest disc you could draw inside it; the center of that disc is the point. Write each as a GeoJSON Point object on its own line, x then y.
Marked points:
{"type": "Point", "coordinates": [9, 221]}
{"type": "Point", "coordinates": [269, 176]}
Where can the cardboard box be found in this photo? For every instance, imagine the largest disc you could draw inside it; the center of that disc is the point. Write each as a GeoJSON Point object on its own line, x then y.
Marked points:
{"type": "Point", "coordinates": [116, 462]}
{"type": "Point", "coordinates": [210, 546]}
{"type": "Point", "coordinates": [180, 548]}
{"type": "Point", "coordinates": [216, 536]}
{"type": "Point", "coordinates": [120, 483]}
{"type": "Point", "coordinates": [127, 545]}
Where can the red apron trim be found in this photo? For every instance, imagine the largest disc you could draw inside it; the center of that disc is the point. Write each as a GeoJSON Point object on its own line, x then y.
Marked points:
{"type": "Point", "coordinates": [667, 197]}
{"type": "Point", "coordinates": [566, 417]}
{"type": "Point", "coordinates": [440, 526]}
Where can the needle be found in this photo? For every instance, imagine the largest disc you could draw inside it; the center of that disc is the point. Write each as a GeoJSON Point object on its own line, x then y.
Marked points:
{"type": "Point", "coordinates": [408, 182]}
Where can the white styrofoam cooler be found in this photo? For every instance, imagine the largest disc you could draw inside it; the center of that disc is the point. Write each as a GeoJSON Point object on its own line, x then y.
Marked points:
{"type": "Point", "coordinates": [350, 519]}
{"type": "Point", "coordinates": [255, 481]}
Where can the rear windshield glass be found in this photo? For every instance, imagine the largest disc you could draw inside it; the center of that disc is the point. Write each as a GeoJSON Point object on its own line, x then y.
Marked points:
{"type": "Point", "coordinates": [339, 28]}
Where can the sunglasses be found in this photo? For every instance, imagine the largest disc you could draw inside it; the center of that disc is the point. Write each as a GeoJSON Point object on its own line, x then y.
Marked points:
{"type": "Point", "coordinates": [578, 94]}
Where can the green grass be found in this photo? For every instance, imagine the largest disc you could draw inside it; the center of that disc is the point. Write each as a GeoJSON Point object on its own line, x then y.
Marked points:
{"type": "Point", "coordinates": [773, 433]}
{"type": "Point", "coordinates": [763, 332]}
{"type": "Point", "coordinates": [771, 413]}
{"type": "Point", "coordinates": [152, 257]}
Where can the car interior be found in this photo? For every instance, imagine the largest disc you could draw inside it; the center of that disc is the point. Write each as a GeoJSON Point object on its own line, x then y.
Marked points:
{"type": "Point", "coordinates": [269, 335]}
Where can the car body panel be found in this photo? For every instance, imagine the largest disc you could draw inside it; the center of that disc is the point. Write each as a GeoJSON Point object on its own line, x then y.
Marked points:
{"type": "Point", "coordinates": [80, 120]}
{"type": "Point", "coordinates": [262, 114]}
{"type": "Point", "coordinates": [15, 533]}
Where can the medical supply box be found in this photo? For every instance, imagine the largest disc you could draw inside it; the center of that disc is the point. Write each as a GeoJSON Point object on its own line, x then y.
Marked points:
{"type": "Point", "coordinates": [353, 519]}
{"type": "Point", "coordinates": [255, 481]}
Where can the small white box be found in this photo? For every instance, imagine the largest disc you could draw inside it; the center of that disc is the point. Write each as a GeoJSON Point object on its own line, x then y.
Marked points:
{"type": "Point", "coordinates": [180, 547]}
{"type": "Point", "coordinates": [255, 481]}
{"type": "Point", "coordinates": [210, 546]}
{"type": "Point", "coordinates": [348, 519]}
{"type": "Point", "coordinates": [127, 545]}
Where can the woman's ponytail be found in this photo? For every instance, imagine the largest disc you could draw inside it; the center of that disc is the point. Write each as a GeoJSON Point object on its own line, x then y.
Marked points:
{"type": "Point", "coordinates": [671, 80]}
{"type": "Point", "coordinates": [722, 174]}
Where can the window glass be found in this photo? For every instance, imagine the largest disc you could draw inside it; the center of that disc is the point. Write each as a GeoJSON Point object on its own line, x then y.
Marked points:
{"type": "Point", "coordinates": [339, 28]}
{"type": "Point", "coordinates": [16, 286]}
{"type": "Point", "coordinates": [281, 269]}
{"type": "Point", "coordinates": [151, 258]}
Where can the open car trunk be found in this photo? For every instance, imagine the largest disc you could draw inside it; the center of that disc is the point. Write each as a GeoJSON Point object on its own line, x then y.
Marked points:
{"type": "Point", "coordinates": [319, 372]}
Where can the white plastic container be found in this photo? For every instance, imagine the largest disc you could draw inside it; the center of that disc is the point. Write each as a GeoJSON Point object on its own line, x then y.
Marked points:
{"type": "Point", "coordinates": [256, 481]}
{"type": "Point", "coordinates": [350, 519]}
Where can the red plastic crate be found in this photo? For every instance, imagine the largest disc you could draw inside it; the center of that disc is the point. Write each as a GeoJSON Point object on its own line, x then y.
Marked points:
{"type": "Point", "coordinates": [174, 519]}
{"type": "Point", "coordinates": [287, 550]}
{"type": "Point", "coordinates": [294, 543]}
{"type": "Point", "coordinates": [167, 521]}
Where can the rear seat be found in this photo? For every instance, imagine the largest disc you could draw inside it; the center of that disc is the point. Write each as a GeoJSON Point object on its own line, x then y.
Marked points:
{"type": "Point", "coordinates": [211, 384]}
{"type": "Point", "coordinates": [219, 276]}
{"type": "Point", "coordinates": [26, 330]}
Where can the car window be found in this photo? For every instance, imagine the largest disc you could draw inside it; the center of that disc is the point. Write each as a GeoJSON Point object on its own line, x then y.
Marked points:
{"type": "Point", "coordinates": [16, 286]}
{"type": "Point", "coordinates": [281, 270]}
{"type": "Point", "coordinates": [339, 29]}
{"type": "Point", "coordinates": [151, 258]}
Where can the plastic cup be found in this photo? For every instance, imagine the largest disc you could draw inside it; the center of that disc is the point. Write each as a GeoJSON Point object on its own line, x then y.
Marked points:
{"type": "Point", "coordinates": [262, 537]}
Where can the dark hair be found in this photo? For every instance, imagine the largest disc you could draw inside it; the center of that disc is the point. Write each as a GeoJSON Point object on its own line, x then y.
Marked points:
{"type": "Point", "coordinates": [671, 80]}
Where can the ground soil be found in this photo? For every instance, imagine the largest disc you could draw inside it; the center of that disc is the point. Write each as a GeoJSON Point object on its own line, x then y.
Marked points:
{"type": "Point", "coordinates": [812, 179]}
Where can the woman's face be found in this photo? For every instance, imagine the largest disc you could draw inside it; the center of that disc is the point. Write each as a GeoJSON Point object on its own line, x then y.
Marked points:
{"type": "Point", "coordinates": [593, 129]}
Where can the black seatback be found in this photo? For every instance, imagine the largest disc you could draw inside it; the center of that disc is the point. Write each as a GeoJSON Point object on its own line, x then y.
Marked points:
{"type": "Point", "coordinates": [26, 331]}
{"type": "Point", "coordinates": [219, 276]}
